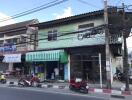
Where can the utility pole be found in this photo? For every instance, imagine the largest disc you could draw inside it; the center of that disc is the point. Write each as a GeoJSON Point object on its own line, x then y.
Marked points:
{"type": "Point", "coordinates": [107, 47]}
{"type": "Point", "coordinates": [100, 66]}
{"type": "Point", "coordinates": [125, 53]}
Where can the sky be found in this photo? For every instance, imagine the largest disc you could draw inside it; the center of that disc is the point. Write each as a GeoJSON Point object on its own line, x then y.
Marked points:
{"type": "Point", "coordinates": [68, 8]}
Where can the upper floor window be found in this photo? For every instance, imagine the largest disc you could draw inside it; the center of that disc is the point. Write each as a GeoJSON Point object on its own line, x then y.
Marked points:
{"type": "Point", "coordinates": [52, 35]}
{"type": "Point", "coordinates": [22, 39]}
{"type": "Point", "coordinates": [85, 26]}
{"type": "Point", "coordinates": [1, 35]}
{"type": "Point", "coordinates": [86, 34]}
{"type": "Point", "coordinates": [1, 42]}
{"type": "Point", "coordinates": [13, 40]}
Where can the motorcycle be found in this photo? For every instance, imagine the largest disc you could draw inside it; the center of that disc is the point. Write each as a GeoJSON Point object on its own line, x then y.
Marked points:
{"type": "Point", "coordinates": [2, 79]}
{"type": "Point", "coordinates": [79, 85]}
{"type": "Point", "coordinates": [29, 82]}
{"type": "Point", "coordinates": [121, 77]}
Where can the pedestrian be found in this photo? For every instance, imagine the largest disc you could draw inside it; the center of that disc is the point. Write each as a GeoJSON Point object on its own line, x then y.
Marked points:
{"type": "Point", "coordinates": [56, 71]}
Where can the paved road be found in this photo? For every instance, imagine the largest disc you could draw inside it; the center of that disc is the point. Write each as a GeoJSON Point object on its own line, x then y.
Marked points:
{"type": "Point", "coordinates": [22, 94]}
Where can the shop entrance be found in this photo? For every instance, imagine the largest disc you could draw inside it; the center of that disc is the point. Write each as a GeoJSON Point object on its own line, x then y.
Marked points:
{"type": "Point", "coordinates": [87, 70]}
{"type": "Point", "coordinates": [54, 70]}
{"type": "Point", "coordinates": [87, 65]}
{"type": "Point", "coordinates": [18, 69]}
{"type": "Point", "coordinates": [50, 67]}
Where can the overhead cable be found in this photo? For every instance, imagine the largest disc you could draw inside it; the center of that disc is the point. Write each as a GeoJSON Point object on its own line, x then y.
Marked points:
{"type": "Point", "coordinates": [36, 9]}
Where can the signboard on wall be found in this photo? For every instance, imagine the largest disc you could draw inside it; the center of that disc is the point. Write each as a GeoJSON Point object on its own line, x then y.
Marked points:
{"type": "Point", "coordinates": [12, 58]}
{"type": "Point", "coordinates": [7, 47]}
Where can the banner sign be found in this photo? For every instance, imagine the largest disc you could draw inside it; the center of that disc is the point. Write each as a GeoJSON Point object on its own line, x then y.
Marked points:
{"type": "Point", "coordinates": [12, 58]}
{"type": "Point", "coordinates": [8, 47]}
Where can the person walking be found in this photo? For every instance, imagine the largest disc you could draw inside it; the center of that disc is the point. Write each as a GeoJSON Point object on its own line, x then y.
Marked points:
{"type": "Point", "coordinates": [56, 71]}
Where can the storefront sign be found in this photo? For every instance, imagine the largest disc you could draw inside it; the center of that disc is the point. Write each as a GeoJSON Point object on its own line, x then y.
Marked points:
{"type": "Point", "coordinates": [8, 47]}
{"type": "Point", "coordinates": [12, 58]}
{"type": "Point", "coordinates": [83, 35]}
{"type": "Point", "coordinates": [89, 34]}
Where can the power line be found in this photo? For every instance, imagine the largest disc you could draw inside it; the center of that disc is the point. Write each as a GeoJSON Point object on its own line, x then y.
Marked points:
{"type": "Point", "coordinates": [118, 2]}
{"type": "Point", "coordinates": [128, 7]}
{"type": "Point", "coordinates": [85, 2]}
{"type": "Point", "coordinates": [36, 9]}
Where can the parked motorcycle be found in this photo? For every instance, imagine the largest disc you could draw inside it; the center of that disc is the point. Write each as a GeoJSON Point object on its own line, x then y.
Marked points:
{"type": "Point", "coordinates": [121, 77]}
{"type": "Point", "coordinates": [29, 82]}
{"type": "Point", "coordinates": [2, 79]}
{"type": "Point", "coordinates": [79, 85]}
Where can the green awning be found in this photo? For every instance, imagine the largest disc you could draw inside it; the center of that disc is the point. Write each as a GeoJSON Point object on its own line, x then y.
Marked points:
{"type": "Point", "coordinates": [54, 55]}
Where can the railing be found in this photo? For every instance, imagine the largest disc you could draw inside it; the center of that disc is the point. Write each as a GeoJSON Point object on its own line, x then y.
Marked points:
{"type": "Point", "coordinates": [115, 38]}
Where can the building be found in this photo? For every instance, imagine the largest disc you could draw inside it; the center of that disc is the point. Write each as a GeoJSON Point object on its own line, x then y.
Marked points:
{"type": "Point", "coordinates": [15, 41]}
{"type": "Point", "coordinates": [73, 44]}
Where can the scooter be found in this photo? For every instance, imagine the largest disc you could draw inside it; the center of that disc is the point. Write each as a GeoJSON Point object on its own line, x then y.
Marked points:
{"type": "Point", "coordinates": [79, 85]}
{"type": "Point", "coordinates": [121, 77]}
{"type": "Point", "coordinates": [2, 79]}
{"type": "Point", "coordinates": [26, 82]}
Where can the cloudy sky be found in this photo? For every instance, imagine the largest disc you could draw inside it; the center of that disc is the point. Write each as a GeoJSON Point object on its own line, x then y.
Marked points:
{"type": "Point", "coordinates": [9, 8]}
{"type": "Point", "coordinates": [68, 8]}
{"type": "Point", "coordinates": [11, 21]}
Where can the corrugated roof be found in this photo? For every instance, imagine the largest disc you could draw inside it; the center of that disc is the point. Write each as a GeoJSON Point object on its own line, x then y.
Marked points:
{"type": "Point", "coordinates": [17, 25]}
{"type": "Point", "coordinates": [73, 18]}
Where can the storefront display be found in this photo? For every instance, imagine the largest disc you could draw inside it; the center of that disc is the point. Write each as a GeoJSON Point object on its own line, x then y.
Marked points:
{"type": "Point", "coordinates": [49, 61]}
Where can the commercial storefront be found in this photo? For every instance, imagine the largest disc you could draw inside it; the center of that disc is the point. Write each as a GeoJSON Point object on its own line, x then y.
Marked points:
{"type": "Point", "coordinates": [14, 64]}
{"type": "Point", "coordinates": [85, 61]}
{"type": "Point", "coordinates": [48, 64]}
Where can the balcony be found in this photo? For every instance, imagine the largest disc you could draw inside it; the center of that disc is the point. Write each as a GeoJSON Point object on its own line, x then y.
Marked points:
{"type": "Point", "coordinates": [21, 47]}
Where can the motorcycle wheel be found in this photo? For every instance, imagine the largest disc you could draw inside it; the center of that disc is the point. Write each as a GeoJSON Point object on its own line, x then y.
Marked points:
{"type": "Point", "coordinates": [70, 87]}
{"type": "Point", "coordinates": [83, 90]}
{"type": "Point", "coordinates": [34, 84]}
{"type": "Point", "coordinates": [3, 81]}
{"type": "Point", "coordinates": [21, 83]}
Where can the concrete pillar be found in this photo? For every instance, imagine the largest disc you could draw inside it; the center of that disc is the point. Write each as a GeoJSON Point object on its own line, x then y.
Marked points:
{"type": "Point", "coordinates": [10, 68]}
{"type": "Point", "coordinates": [69, 69]}
{"type": "Point", "coordinates": [66, 72]}
{"type": "Point", "coordinates": [111, 70]}
{"type": "Point", "coordinates": [45, 70]}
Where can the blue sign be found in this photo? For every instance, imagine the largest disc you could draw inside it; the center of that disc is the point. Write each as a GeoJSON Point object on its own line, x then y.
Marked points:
{"type": "Point", "coordinates": [8, 47]}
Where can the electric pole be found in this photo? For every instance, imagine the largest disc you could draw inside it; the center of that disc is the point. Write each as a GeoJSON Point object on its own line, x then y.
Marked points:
{"type": "Point", "coordinates": [107, 47]}
{"type": "Point", "coordinates": [125, 53]}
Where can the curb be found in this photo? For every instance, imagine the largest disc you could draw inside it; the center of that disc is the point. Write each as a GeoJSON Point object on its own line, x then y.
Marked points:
{"type": "Point", "coordinates": [55, 86]}
{"type": "Point", "coordinates": [109, 91]}
{"type": "Point", "coordinates": [91, 90]}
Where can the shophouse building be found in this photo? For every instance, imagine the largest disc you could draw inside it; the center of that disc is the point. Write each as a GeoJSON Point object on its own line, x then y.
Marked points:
{"type": "Point", "coordinates": [15, 40]}
{"type": "Point", "coordinates": [73, 45]}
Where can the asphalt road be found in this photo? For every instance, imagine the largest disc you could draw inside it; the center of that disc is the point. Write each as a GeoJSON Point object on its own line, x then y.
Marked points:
{"type": "Point", "coordinates": [23, 94]}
